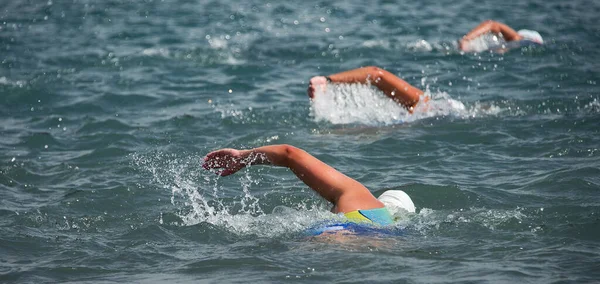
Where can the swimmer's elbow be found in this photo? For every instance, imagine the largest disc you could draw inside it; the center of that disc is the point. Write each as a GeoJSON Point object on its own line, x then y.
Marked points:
{"type": "Point", "coordinates": [293, 156]}
{"type": "Point", "coordinates": [287, 154]}
{"type": "Point", "coordinates": [289, 150]}
{"type": "Point", "coordinates": [375, 72]}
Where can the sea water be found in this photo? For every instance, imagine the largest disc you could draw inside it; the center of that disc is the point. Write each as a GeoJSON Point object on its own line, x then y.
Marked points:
{"type": "Point", "coordinates": [107, 109]}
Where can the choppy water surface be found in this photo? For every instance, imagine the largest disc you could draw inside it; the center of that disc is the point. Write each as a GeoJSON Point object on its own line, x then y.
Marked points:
{"type": "Point", "coordinates": [107, 108]}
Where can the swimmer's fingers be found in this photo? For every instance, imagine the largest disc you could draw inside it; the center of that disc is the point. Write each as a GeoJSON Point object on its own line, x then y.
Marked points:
{"type": "Point", "coordinates": [215, 159]}
{"type": "Point", "coordinates": [229, 160]}
{"type": "Point", "coordinates": [311, 91]}
{"type": "Point", "coordinates": [463, 44]}
{"type": "Point", "coordinates": [316, 83]}
{"type": "Point", "coordinates": [225, 173]}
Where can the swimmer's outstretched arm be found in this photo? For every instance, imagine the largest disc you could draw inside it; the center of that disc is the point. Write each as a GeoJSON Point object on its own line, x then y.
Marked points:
{"type": "Point", "coordinates": [345, 193]}
{"type": "Point", "coordinates": [395, 88]}
{"type": "Point", "coordinates": [488, 26]}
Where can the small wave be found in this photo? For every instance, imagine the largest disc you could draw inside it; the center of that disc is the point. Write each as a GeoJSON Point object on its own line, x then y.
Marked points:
{"type": "Point", "coordinates": [377, 43]}
{"type": "Point", "coordinates": [364, 104]}
{"type": "Point", "coordinates": [426, 46]}
{"type": "Point", "coordinates": [110, 126]}
{"type": "Point", "coordinates": [420, 45]}
{"type": "Point", "coordinates": [428, 220]}
{"type": "Point", "coordinates": [221, 49]}
{"type": "Point", "coordinates": [217, 43]}
{"type": "Point", "coordinates": [7, 82]}
{"type": "Point", "coordinates": [217, 54]}
{"type": "Point", "coordinates": [156, 52]}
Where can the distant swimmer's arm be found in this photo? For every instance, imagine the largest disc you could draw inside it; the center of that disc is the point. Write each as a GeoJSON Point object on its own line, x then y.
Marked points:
{"type": "Point", "coordinates": [395, 88]}
{"type": "Point", "coordinates": [344, 192]}
{"type": "Point", "coordinates": [488, 26]}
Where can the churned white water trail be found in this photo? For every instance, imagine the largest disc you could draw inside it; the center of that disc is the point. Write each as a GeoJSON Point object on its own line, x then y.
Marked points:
{"type": "Point", "coordinates": [364, 104]}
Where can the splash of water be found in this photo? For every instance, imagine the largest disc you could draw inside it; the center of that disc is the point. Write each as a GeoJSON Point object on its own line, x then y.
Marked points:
{"type": "Point", "coordinates": [428, 220]}
{"type": "Point", "coordinates": [420, 45]}
{"type": "Point", "coordinates": [199, 197]}
{"type": "Point", "coordinates": [486, 42]}
{"type": "Point", "coordinates": [364, 104]}
{"type": "Point", "coordinates": [593, 106]}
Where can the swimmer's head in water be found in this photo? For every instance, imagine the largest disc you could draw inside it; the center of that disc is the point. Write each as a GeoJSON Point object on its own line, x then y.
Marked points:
{"type": "Point", "coordinates": [394, 199]}
{"type": "Point", "coordinates": [531, 35]}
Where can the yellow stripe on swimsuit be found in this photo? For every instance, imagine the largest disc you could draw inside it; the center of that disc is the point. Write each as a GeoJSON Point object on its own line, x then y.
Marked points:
{"type": "Point", "coordinates": [379, 216]}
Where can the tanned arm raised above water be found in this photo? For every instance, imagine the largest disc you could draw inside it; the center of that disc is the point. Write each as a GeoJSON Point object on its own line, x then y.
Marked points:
{"type": "Point", "coordinates": [490, 26]}
{"type": "Point", "coordinates": [345, 193]}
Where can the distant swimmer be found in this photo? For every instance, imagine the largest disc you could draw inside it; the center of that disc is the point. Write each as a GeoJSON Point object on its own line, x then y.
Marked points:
{"type": "Point", "coordinates": [512, 38]}
{"type": "Point", "coordinates": [348, 196]}
{"type": "Point", "coordinates": [391, 85]}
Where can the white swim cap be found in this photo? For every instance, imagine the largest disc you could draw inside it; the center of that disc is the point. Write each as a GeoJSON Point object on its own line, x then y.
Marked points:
{"type": "Point", "coordinates": [397, 199]}
{"type": "Point", "coordinates": [531, 35]}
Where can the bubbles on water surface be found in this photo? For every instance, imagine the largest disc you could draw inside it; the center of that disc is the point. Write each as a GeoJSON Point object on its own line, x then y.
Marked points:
{"type": "Point", "coordinates": [593, 106]}
{"type": "Point", "coordinates": [6, 81]}
{"type": "Point", "coordinates": [468, 220]}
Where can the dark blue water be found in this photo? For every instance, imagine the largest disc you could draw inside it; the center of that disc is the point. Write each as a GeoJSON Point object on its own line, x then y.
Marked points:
{"type": "Point", "coordinates": [107, 108]}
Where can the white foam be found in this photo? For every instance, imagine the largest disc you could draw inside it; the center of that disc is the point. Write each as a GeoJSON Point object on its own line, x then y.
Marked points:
{"type": "Point", "coordinates": [156, 52]}
{"type": "Point", "coordinates": [492, 219]}
{"type": "Point", "coordinates": [377, 43]}
{"type": "Point", "coordinates": [420, 45]}
{"type": "Point", "coordinates": [354, 103]}
{"type": "Point", "coordinates": [485, 42]}
{"type": "Point", "coordinates": [427, 46]}
{"type": "Point", "coordinates": [218, 43]}
{"type": "Point", "coordinates": [364, 104]}
{"type": "Point", "coordinates": [6, 81]}
{"type": "Point", "coordinates": [593, 106]}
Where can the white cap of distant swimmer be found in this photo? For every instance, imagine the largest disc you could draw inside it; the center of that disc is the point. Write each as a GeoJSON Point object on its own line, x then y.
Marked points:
{"type": "Point", "coordinates": [531, 35]}
{"type": "Point", "coordinates": [394, 199]}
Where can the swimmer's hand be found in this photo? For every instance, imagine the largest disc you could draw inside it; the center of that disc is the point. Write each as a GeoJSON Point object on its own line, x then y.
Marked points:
{"type": "Point", "coordinates": [228, 160]}
{"type": "Point", "coordinates": [317, 83]}
{"type": "Point", "coordinates": [463, 44]}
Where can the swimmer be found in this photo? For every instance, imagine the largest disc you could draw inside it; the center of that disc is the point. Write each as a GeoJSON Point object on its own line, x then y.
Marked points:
{"type": "Point", "coordinates": [391, 85]}
{"type": "Point", "coordinates": [404, 93]}
{"type": "Point", "coordinates": [518, 38]}
{"type": "Point", "coordinates": [348, 196]}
